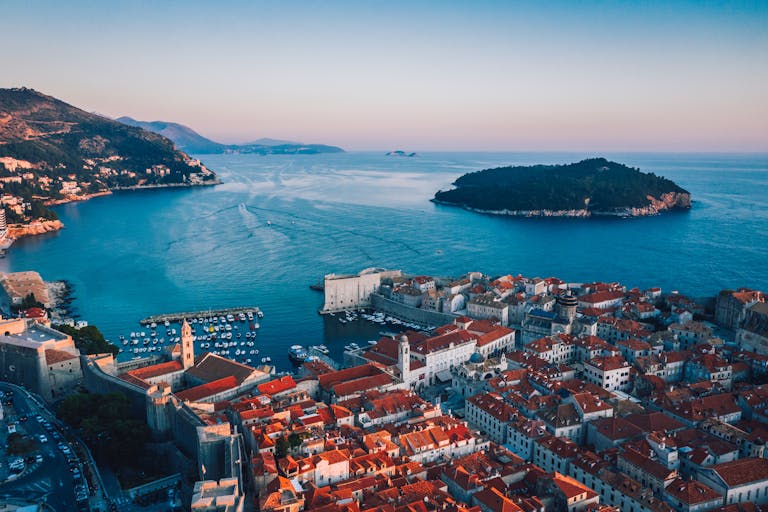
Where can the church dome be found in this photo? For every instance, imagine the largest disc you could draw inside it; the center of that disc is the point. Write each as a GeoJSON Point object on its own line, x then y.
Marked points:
{"type": "Point", "coordinates": [477, 357]}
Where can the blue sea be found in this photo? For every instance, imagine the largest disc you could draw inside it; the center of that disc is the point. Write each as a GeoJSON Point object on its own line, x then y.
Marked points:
{"type": "Point", "coordinates": [279, 223]}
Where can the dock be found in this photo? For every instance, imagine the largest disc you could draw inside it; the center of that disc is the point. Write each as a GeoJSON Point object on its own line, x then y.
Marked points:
{"type": "Point", "coordinates": [207, 313]}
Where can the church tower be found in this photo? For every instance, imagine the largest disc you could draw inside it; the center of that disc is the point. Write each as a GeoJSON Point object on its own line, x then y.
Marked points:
{"type": "Point", "coordinates": [404, 359]}
{"type": "Point", "coordinates": [187, 347]}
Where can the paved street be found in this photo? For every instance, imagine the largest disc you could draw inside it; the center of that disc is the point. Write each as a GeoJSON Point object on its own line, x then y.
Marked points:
{"type": "Point", "coordinates": [51, 481]}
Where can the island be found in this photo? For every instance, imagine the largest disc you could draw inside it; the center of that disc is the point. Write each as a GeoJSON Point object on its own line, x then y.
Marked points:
{"type": "Point", "coordinates": [400, 152]}
{"type": "Point", "coordinates": [52, 153]}
{"type": "Point", "coordinates": [592, 187]}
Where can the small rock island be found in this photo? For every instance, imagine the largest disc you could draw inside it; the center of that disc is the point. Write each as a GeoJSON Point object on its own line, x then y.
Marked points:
{"type": "Point", "coordinates": [592, 187]}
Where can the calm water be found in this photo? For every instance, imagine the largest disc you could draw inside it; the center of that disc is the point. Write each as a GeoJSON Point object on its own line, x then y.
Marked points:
{"type": "Point", "coordinates": [139, 253]}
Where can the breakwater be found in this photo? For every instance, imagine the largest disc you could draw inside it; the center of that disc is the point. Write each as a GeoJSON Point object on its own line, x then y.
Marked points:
{"type": "Point", "coordinates": [207, 313]}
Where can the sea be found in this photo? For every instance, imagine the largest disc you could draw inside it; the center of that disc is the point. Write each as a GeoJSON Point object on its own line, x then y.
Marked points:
{"type": "Point", "coordinates": [278, 224]}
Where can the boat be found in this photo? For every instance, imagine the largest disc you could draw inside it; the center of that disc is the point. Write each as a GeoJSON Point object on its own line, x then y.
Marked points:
{"type": "Point", "coordinates": [260, 314]}
{"type": "Point", "coordinates": [322, 349]}
{"type": "Point", "coordinates": [297, 354]}
{"type": "Point", "coordinates": [266, 359]}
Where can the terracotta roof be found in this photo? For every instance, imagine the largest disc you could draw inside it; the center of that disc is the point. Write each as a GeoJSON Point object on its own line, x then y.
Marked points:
{"type": "Point", "coordinates": [330, 379]}
{"type": "Point", "coordinates": [210, 367]}
{"type": "Point", "coordinates": [363, 384]}
{"type": "Point", "coordinates": [494, 405]}
{"type": "Point", "coordinates": [127, 377]}
{"type": "Point", "coordinates": [495, 501]}
{"type": "Point", "coordinates": [205, 390]}
{"type": "Point", "coordinates": [599, 297]}
{"type": "Point", "coordinates": [616, 428]}
{"type": "Point", "coordinates": [444, 341]}
{"type": "Point", "coordinates": [571, 487]}
{"type": "Point", "coordinates": [277, 385]}
{"type": "Point", "coordinates": [156, 370]}
{"type": "Point", "coordinates": [607, 364]}
{"type": "Point", "coordinates": [53, 356]}
{"type": "Point", "coordinates": [649, 466]}
{"type": "Point", "coordinates": [742, 471]}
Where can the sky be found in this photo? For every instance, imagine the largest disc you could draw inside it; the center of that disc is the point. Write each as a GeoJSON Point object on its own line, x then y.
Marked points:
{"type": "Point", "coordinates": [432, 75]}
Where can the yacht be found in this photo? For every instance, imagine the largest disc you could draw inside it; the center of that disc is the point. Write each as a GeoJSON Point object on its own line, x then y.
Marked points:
{"type": "Point", "coordinates": [297, 354]}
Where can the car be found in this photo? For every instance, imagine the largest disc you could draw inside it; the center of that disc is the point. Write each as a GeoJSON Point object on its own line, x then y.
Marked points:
{"type": "Point", "coordinates": [23, 418]}
{"type": "Point", "coordinates": [42, 438]}
{"type": "Point", "coordinates": [39, 458]}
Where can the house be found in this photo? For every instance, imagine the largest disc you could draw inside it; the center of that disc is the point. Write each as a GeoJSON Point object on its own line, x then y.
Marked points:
{"type": "Point", "coordinates": [753, 335]}
{"type": "Point", "coordinates": [491, 414]}
{"type": "Point", "coordinates": [740, 481]}
{"type": "Point", "coordinates": [646, 469]}
{"type": "Point", "coordinates": [691, 333]}
{"type": "Point", "coordinates": [606, 433]}
{"type": "Point", "coordinates": [691, 496]}
{"type": "Point", "coordinates": [610, 373]}
{"type": "Point", "coordinates": [731, 306]}
{"type": "Point", "coordinates": [552, 453]}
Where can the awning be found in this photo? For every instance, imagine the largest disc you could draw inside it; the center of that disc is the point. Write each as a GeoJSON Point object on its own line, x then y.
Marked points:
{"type": "Point", "coordinates": [444, 376]}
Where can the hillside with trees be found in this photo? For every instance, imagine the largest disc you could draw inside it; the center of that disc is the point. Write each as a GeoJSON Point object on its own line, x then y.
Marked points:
{"type": "Point", "coordinates": [594, 186]}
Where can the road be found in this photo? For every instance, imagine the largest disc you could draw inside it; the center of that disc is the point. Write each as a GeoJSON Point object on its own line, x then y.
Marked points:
{"type": "Point", "coordinates": [51, 481]}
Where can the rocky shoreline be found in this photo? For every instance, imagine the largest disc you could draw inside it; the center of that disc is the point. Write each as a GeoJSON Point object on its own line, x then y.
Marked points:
{"type": "Point", "coordinates": [667, 202]}
{"type": "Point", "coordinates": [37, 227]}
{"type": "Point", "coordinates": [62, 297]}
{"type": "Point", "coordinates": [167, 185]}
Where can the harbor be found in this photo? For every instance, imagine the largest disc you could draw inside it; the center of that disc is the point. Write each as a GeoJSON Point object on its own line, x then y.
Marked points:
{"type": "Point", "coordinates": [208, 313]}
{"type": "Point", "coordinates": [227, 332]}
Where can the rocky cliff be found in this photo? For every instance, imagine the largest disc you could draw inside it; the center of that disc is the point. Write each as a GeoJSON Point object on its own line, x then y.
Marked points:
{"type": "Point", "coordinates": [34, 228]}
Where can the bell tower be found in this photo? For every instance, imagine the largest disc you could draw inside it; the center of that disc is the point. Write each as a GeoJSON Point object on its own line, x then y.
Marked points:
{"type": "Point", "coordinates": [187, 347]}
{"type": "Point", "coordinates": [404, 359]}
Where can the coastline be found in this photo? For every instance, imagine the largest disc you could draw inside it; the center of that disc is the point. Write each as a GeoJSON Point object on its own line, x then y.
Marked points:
{"type": "Point", "coordinates": [668, 202]}
{"type": "Point", "coordinates": [217, 181]}
{"type": "Point", "coordinates": [41, 227]}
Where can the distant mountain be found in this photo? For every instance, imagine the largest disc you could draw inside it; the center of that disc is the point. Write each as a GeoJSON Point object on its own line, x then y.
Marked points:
{"type": "Point", "coordinates": [52, 152]}
{"type": "Point", "coordinates": [192, 142]}
{"type": "Point", "coordinates": [591, 187]}
{"type": "Point", "coordinates": [185, 138]}
{"type": "Point", "coordinates": [266, 141]}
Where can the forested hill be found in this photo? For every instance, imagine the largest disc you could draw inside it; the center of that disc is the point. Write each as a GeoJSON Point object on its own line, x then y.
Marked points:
{"type": "Point", "coordinates": [593, 186]}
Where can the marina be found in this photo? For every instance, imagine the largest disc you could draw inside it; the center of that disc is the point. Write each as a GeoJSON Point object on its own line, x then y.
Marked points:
{"type": "Point", "coordinates": [208, 313]}
{"type": "Point", "coordinates": [228, 332]}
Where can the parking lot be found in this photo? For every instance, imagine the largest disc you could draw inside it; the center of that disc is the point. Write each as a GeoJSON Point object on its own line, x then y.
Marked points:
{"type": "Point", "coordinates": [49, 471]}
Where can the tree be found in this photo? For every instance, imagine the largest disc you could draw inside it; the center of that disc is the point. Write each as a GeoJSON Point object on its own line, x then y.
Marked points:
{"type": "Point", "coordinates": [104, 422]}
{"type": "Point", "coordinates": [30, 302]}
{"type": "Point", "coordinates": [89, 340]}
{"type": "Point", "coordinates": [281, 447]}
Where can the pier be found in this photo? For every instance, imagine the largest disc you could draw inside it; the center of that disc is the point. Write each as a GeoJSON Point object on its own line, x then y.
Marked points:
{"type": "Point", "coordinates": [207, 313]}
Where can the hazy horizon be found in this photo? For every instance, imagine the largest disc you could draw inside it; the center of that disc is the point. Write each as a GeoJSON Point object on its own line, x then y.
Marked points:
{"type": "Point", "coordinates": [612, 77]}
